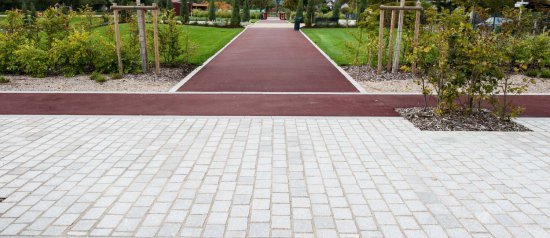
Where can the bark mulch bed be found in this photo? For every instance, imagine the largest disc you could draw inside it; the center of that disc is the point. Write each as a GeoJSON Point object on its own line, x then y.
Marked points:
{"type": "Point", "coordinates": [457, 121]}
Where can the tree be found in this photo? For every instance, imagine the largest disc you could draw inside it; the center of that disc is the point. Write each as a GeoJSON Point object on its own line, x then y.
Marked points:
{"type": "Point", "coordinates": [184, 11]}
{"type": "Point", "coordinates": [246, 10]}
{"type": "Point", "coordinates": [300, 9]}
{"type": "Point", "coordinates": [24, 7]}
{"type": "Point", "coordinates": [362, 6]}
{"type": "Point", "coordinates": [211, 10]}
{"type": "Point", "coordinates": [310, 13]}
{"type": "Point", "coordinates": [33, 11]}
{"type": "Point", "coordinates": [336, 10]}
{"type": "Point", "coordinates": [235, 14]}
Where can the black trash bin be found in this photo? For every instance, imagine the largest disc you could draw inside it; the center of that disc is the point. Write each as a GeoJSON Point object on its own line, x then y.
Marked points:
{"type": "Point", "coordinates": [297, 21]}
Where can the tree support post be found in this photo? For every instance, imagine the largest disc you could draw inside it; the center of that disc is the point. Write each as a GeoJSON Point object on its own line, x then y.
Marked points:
{"type": "Point", "coordinates": [156, 40]}
{"type": "Point", "coordinates": [390, 45]}
{"type": "Point", "coordinates": [416, 34]}
{"type": "Point", "coordinates": [393, 64]}
{"type": "Point", "coordinates": [380, 41]}
{"type": "Point", "coordinates": [141, 10]}
{"type": "Point", "coordinates": [117, 36]}
{"type": "Point", "coordinates": [397, 52]}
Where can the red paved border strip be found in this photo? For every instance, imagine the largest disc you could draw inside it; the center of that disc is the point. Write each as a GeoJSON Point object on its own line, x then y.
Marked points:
{"type": "Point", "coordinates": [226, 104]}
{"type": "Point", "coordinates": [269, 60]}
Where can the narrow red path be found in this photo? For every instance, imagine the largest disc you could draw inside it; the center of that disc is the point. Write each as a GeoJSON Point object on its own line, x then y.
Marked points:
{"type": "Point", "coordinates": [269, 60]}
{"type": "Point", "coordinates": [227, 104]}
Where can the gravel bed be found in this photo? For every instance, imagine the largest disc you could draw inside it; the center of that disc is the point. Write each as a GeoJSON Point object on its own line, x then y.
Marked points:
{"type": "Point", "coordinates": [128, 83]}
{"type": "Point", "coordinates": [457, 121]}
{"type": "Point", "coordinates": [405, 82]}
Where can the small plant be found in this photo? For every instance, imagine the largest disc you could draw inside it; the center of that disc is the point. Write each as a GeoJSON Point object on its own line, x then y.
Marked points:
{"type": "Point", "coordinates": [98, 77]}
{"type": "Point", "coordinates": [538, 73]}
{"type": "Point", "coordinates": [170, 47]}
{"type": "Point", "coordinates": [54, 24]}
{"type": "Point", "coordinates": [115, 76]}
{"type": "Point", "coordinates": [4, 79]}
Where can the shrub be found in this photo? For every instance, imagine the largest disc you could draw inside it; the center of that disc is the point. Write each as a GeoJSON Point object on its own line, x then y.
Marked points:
{"type": "Point", "coordinates": [88, 20]}
{"type": "Point", "coordinates": [8, 45]}
{"type": "Point", "coordinates": [98, 77]}
{"type": "Point", "coordinates": [4, 79]}
{"type": "Point", "coordinates": [104, 58]}
{"type": "Point", "coordinates": [199, 13]}
{"type": "Point", "coordinates": [32, 60]}
{"type": "Point", "coordinates": [235, 14]}
{"type": "Point", "coordinates": [336, 10]}
{"type": "Point", "coordinates": [55, 25]}
{"type": "Point", "coordinates": [14, 22]}
{"type": "Point", "coordinates": [74, 54]}
{"type": "Point", "coordinates": [538, 73]}
{"type": "Point", "coordinates": [246, 11]}
{"type": "Point", "coordinates": [115, 76]}
{"type": "Point", "coordinates": [211, 10]}
{"type": "Point", "coordinates": [11, 37]}
{"type": "Point", "coordinates": [169, 45]}
{"type": "Point", "coordinates": [539, 51]}
{"type": "Point", "coordinates": [300, 9]}
{"type": "Point", "coordinates": [184, 11]}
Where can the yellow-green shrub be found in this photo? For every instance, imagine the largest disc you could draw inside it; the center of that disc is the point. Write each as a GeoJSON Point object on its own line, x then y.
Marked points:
{"type": "Point", "coordinates": [55, 25]}
{"type": "Point", "coordinates": [74, 54]}
{"type": "Point", "coordinates": [32, 60]}
{"type": "Point", "coordinates": [10, 39]}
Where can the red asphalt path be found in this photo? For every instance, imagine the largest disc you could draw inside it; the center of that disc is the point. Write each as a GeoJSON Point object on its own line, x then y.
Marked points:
{"type": "Point", "coordinates": [227, 104]}
{"type": "Point", "coordinates": [269, 60]}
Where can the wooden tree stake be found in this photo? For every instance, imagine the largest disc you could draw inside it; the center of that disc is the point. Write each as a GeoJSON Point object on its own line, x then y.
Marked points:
{"type": "Point", "coordinates": [380, 42]}
{"type": "Point", "coordinates": [156, 40]}
{"type": "Point", "coordinates": [390, 45]}
{"type": "Point", "coordinates": [117, 36]}
{"type": "Point", "coordinates": [397, 52]}
{"type": "Point", "coordinates": [141, 10]}
{"type": "Point", "coordinates": [416, 34]}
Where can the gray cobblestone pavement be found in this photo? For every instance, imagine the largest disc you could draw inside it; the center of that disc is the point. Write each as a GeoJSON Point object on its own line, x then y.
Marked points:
{"type": "Point", "coordinates": [269, 177]}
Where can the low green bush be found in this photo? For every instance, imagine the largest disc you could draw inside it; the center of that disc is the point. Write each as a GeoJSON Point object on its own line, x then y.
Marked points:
{"type": "Point", "coordinates": [115, 75]}
{"type": "Point", "coordinates": [4, 79]}
{"type": "Point", "coordinates": [538, 73]}
{"type": "Point", "coordinates": [96, 76]}
{"type": "Point", "coordinates": [73, 54]}
{"type": "Point", "coordinates": [54, 24]}
{"type": "Point", "coordinates": [32, 60]}
{"type": "Point", "coordinates": [199, 13]}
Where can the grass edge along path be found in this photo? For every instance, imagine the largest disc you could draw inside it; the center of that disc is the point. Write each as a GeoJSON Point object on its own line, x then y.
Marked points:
{"type": "Point", "coordinates": [333, 42]}
{"type": "Point", "coordinates": [209, 39]}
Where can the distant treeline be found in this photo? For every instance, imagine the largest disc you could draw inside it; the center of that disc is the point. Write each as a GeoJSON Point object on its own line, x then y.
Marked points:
{"type": "Point", "coordinates": [41, 5]}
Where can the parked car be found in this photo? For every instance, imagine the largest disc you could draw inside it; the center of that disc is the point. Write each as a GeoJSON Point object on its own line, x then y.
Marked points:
{"type": "Point", "coordinates": [495, 21]}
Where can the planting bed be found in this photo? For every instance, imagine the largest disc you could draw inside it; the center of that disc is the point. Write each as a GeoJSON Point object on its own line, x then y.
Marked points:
{"type": "Point", "coordinates": [405, 82]}
{"type": "Point", "coordinates": [128, 83]}
{"type": "Point", "coordinates": [427, 120]}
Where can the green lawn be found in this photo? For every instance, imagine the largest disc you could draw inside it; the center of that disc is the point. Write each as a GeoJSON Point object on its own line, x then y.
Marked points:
{"type": "Point", "coordinates": [208, 39]}
{"type": "Point", "coordinates": [332, 42]}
